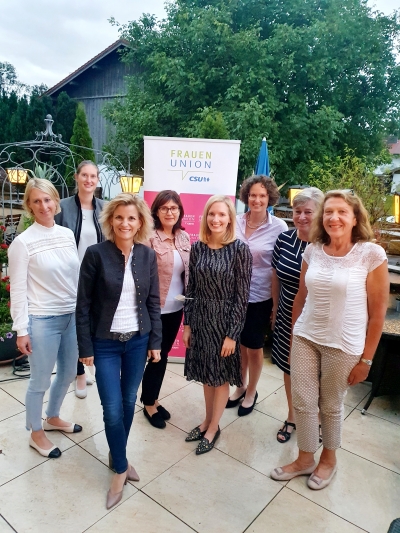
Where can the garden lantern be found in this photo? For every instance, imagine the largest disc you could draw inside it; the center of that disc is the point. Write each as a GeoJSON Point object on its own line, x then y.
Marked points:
{"type": "Point", "coordinates": [131, 184]}
{"type": "Point", "coordinates": [293, 190]}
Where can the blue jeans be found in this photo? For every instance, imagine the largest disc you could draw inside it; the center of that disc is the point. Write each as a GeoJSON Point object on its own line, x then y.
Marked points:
{"type": "Point", "coordinates": [119, 370]}
{"type": "Point", "coordinates": [53, 340]}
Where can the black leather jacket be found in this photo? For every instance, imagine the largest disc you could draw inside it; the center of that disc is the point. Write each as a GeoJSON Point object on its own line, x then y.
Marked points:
{"type": "Point", "coordinates": [99, 290]}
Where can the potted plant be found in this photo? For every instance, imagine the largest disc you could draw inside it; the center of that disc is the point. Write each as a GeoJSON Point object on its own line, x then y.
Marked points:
{"type": "Point", "coordinates": [8, 346]}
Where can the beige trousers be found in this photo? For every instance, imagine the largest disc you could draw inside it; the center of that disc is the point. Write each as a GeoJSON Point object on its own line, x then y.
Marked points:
{"type": "Point", "coordinates": [319, 376]}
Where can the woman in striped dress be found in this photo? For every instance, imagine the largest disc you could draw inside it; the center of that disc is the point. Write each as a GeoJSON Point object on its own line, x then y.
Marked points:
{"type": "Point", "coordinates": [286, 263]}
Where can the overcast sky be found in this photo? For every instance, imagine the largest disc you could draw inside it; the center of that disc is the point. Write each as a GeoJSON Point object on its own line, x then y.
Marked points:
{"type": "Point", "coordinates": [46, 40]}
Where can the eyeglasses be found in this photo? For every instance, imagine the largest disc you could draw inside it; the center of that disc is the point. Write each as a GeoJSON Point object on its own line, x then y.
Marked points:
{"type": "Point", "coordinates": [164, 209]}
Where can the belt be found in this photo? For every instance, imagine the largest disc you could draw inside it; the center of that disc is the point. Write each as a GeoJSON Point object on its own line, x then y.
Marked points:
{"type": "Point", "coordinates": [123, 337]}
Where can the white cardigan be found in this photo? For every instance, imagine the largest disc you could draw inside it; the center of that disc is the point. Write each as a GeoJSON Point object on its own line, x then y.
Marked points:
{"type": "Point", "coordinates": [44, 272]}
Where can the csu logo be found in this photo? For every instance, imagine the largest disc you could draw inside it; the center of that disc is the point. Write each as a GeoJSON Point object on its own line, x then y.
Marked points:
{"type": "Point", "coordinates": [199, 178]}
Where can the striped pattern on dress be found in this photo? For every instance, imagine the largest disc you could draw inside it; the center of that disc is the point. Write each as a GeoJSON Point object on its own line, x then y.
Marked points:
{"type": "Point", "coordinates": [219, 284]}
{"type": "Point", "coordinates": [286, 259]}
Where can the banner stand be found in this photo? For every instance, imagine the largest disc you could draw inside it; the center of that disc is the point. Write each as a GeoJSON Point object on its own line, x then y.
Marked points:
{"type": "Point", "coordinates": [196, 169]}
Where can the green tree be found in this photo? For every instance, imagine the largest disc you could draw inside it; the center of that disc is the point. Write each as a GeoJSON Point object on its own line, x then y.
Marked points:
{"type": "Point", "coordinates": [212, 126]}
{"type": "Point", "coordinates": [83, 144]}
{"type": "Point", "coordinates": [65, 116]}
{"type": "Point", "coordinates": [311, 77]}
{"type": "Point", "coordinates": [352, 172]}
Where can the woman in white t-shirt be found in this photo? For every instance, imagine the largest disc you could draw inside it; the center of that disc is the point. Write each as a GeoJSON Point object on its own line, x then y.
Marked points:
{"type": "Point", "coordinates": [338, 316]}
{"type": "Point", "coordinates": [80, 213]}
{"type": "Point", "coordinates": [44, 269]}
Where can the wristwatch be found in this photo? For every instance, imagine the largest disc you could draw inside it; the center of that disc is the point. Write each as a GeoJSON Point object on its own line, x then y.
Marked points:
{"type": "Point", "coordinates": [366, 361]}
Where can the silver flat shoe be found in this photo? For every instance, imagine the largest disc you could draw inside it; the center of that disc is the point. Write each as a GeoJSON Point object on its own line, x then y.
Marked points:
{"type": "Point", "coordinates": [280, 475]}
{"type": "Point", "coordinates": [316, 483]}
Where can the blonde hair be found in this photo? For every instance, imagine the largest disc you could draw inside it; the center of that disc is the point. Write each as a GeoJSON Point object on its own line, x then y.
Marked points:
{"type": "Point", "coordinates": [42, 185]}
{"type": "Point", "coordinates": [143, 210]}
{"type": "Point", "coordinates": [205, 232]}
{"type": "Point", "coordinates": [361, 231]}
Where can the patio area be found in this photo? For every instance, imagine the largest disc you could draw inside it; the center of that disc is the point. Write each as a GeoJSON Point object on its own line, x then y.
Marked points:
{"type": "Point", "coordinates": [226, 491]}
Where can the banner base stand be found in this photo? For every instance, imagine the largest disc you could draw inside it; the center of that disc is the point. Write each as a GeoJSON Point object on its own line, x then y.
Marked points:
{"type": "Point", "coordinates": [180, 360]}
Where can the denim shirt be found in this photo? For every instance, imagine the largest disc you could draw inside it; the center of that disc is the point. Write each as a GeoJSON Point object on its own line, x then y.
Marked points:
{"type": "Point", "coordinates": [163, 246]}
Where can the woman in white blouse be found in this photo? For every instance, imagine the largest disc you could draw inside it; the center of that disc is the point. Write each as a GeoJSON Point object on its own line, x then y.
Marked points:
{"type": "Point", "coordinates": [44, 268]}
{"type": "Point", "coordinates": [338, 316]}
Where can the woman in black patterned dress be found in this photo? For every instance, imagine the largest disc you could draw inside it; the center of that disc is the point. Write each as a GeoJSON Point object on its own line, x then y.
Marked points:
{"type": "Point", "coordinates": [286, 264]}
{"type": "Point", "coordinates": [214, 314]}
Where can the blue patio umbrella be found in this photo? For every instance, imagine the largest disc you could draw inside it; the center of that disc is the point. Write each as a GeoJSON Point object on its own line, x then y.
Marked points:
{"type": "Point", "coordinates": [262, 165]}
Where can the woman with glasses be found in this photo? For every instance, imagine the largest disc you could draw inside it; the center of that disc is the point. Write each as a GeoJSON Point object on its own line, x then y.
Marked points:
{"type": "Point", "coordinates": [259, 230]}
{"type": "Point", "coordinates": [172, 247]}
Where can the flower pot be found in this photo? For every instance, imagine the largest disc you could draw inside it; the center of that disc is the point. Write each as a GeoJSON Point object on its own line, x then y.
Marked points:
{"type": "Point", "coordinates": [9, 351]}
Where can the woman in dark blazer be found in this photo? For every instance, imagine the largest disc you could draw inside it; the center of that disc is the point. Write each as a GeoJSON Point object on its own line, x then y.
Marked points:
{"type": "Point", "coordinates": [118, 321]}
{"type": "Point", "coordinates": [80, 213]}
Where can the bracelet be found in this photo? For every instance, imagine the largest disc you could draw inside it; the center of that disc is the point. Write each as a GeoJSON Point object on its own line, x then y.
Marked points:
{"type": "Point", "coordinates": [366, 361]}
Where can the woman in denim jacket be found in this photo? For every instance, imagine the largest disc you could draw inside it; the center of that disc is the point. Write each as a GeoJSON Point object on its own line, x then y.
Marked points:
{"type": "Point", "coordinates": [172, 247]}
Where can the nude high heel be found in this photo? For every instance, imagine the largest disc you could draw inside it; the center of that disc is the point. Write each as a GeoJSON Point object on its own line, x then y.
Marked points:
{"type": "Point", "coordinates": [113, 499]}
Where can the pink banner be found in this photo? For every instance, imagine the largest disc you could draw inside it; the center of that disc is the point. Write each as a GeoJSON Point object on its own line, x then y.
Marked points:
{"type": "Point", "coordinates": [193, 205]}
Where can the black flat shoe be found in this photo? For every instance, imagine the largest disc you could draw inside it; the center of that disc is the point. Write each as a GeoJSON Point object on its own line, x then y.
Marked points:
{"type": "Point", "coordinates": [155, 420]}
{"type": "Point", "coordinates": [163, 412]}
{"type": "Point", "coordinates": [233, 403]}
{"type": "Point", "coordinates": [205, 445]}
{"type": "Point", "coordinates": [243, 411]}
{"type": "Point", "coordinates": [195, 434]}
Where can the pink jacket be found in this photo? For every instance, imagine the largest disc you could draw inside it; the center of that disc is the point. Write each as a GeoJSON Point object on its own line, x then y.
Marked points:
{"type": "Point", "coordinates": [161, 244]}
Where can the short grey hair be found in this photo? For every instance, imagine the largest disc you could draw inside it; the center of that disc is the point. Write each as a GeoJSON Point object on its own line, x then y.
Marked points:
{"type": "Point", "coordinates": [311, 193]}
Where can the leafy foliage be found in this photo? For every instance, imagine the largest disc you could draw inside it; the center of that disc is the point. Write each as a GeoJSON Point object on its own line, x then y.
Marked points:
{"type": "Point", "coordinates": [311, 77]}
{"type": "Point", "coordinates": [352, 172]}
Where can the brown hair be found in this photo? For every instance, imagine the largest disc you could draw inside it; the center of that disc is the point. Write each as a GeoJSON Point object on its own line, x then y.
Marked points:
{"type": "Point", "coordinates": [45, 186]}
{"type": "Point", "coordinates": [205, 232]}
{"type": "Point", "coordinates": [161, 199]}
{"type": "Point", "coordinates": [361, 231]}
{"type": "Point", "coordinates": [268, 183]}
{"type": "Point", "coordinates": [126, 198]}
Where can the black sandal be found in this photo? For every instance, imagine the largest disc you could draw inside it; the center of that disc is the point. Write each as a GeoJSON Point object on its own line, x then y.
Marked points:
{"type": "Point", "coordinates": [285, 433]}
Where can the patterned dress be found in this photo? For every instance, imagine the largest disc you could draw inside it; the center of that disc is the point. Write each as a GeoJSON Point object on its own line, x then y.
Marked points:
{"type": "Point", "coordinates": [286, 259]}
{"type": "Point", "coordinates": [219, 282]}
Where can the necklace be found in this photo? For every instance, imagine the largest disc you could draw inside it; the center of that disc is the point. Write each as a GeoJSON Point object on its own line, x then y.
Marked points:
{"type": "Point", "coordinates": [255, 225]}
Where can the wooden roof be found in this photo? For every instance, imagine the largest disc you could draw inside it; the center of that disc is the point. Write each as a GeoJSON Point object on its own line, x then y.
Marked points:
{"type": "Point", "coordinates": [118, 44]}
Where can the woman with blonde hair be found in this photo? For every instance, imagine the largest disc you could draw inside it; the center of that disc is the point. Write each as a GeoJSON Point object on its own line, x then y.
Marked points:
{"type": "Point", "coordinates": [214, 313]}
{"type": "Point", "coordinates": [44, 268]}
{"type": "Point", "coordinates": [338, 316]}
{"type": "Point", "coordinates": [118, 321]}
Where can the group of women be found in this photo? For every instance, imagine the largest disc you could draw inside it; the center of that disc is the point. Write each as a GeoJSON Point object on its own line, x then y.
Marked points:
{"type": "Point", "coordinates": [105, 284]}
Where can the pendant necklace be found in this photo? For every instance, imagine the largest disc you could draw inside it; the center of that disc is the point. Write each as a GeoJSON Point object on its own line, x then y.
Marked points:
{"type": "Point", "coordinates": [255, 225]}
